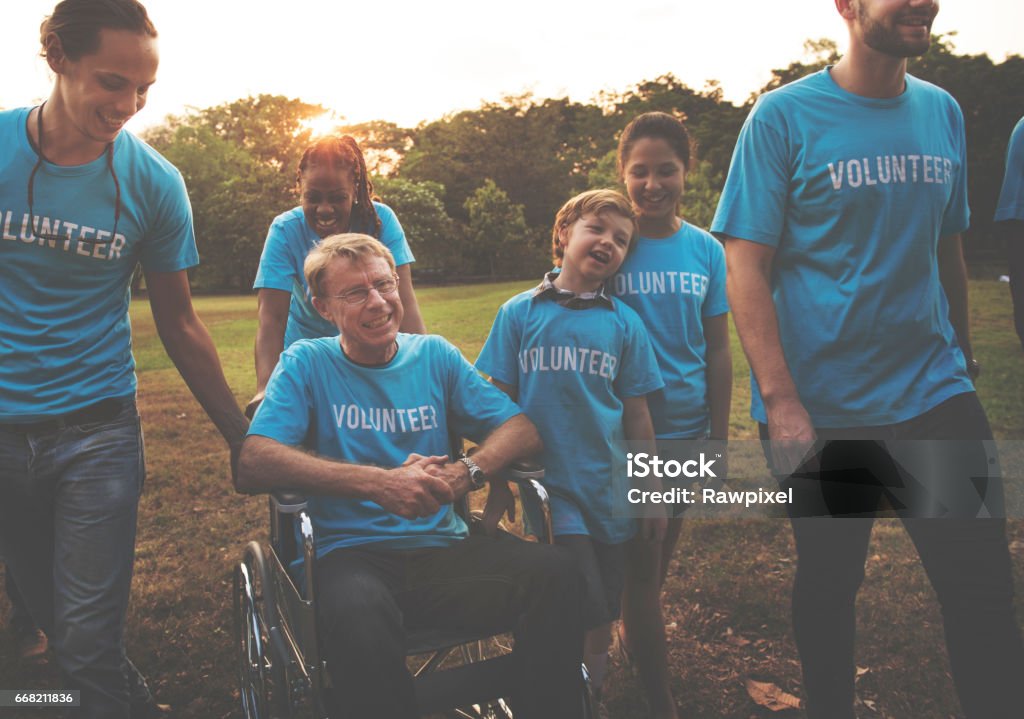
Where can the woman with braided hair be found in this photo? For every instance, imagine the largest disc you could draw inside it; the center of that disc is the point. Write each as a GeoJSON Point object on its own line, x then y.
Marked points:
{"type": "Point", "coordinates": [336, 196]}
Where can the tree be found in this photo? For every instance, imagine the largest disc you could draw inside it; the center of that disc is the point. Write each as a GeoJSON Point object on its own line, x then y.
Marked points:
{"type": "Point", "coordinates": [703, 189]}
{"type": "Point", "coordinates": [817, 54]}
{"type": "Point", "coordinates": [271, 128]}
{"type": "Point", "coordinates": [384, 144]}
{"type": "Point", "coordinates": [536, 152]}
{"type": "Point", "coordinates": [233, 202]}
{"type": "Point", "coordinates": [432, 235]}
{"type": "Point", "coordinates": [497, 235]}
{"type": "Point", "coordinates": [605, 175]}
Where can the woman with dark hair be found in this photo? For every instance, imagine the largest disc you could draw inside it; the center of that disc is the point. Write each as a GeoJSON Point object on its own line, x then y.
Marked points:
{"type": "Point", "coordinates": [335, 196]}
{"type": "Point", "coordinates": [82, 203]}
{"type": "Point", "coordinates": [688, 325]}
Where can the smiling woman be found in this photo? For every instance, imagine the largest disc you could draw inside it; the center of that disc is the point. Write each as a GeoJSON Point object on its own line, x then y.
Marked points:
{"type": "Point", "coordinates": [97, 202]}
{"type": "Point", "coordinates": [336, 196]}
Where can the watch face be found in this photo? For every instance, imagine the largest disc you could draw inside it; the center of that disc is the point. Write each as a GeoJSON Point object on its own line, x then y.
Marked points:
{"type": "Point", "coordinates": [476, 475]}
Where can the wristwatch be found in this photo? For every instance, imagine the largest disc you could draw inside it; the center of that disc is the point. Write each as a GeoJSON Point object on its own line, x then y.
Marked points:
{"type": "Point", "coordinates": [973, 368]}
{"type": "Point", "coordinates": [477, 478]}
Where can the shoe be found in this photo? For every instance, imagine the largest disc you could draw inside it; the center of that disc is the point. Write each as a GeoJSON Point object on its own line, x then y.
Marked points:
{"type": "Point", "coordinates": [32, 643]}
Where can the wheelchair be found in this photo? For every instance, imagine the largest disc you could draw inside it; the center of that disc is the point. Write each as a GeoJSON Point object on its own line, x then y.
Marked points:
{"type": "Point", "coordinates": [280, 672]}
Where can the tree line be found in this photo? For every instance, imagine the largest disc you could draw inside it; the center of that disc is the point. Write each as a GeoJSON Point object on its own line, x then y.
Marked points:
{"type": "Point", "coordinates": [477, 190]}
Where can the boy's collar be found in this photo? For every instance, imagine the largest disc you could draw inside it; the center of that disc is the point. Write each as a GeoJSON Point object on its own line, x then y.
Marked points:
{"type": "Point", "coordinates": [570, 299]}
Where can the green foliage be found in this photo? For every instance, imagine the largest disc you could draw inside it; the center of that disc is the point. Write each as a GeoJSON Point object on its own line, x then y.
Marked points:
{"type": "Point", "coordinates": [233, 202]}
{"type": "Point", "coordinates": [239, 161]}
{"type": "Point", "coordinates": [420, 209]}
{"type": "Point", "coordinates": [817, 54]}
{"type": "Point", "coordinates": [383, 143]}
{"type": "Point", "coordinates": [497, 238]}
{"type": "Point", "coordinates": [605, 175]}
{"type": "Point", "coordinates": [270, 127]}
{"type": "Point", "coordinates": [703, 188]}
{"type": "Point", "coordinates": [538, 153]}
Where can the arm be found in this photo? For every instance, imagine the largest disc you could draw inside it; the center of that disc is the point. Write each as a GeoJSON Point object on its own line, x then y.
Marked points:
{"type": "Point", "coordinates": [749, 288]}
{"type": "Point", "coordinates": [190, 347]}
{"type": "Point", "coordinates": [1013, 232]}
{"type": "Point", "coordinates": [500, 500]}
{"type": "Point", "coordinates": [272, 311]}
{"type": "Point", "coordinates": [508, 389]}
{"type": "Point", "coordinates": [412, 321]}
{"type": "Point", "coordinates": [719, 374]}
{"type": "Point", "coordinates": [408, 491]}
{"type": "Point", "coordinates": [514, 439]}
{"type": "Point", "coordinates": [953, 275]}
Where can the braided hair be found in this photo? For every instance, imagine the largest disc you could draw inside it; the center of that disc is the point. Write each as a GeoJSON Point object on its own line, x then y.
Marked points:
{"type": "Point", "coordinates": [343, 153]}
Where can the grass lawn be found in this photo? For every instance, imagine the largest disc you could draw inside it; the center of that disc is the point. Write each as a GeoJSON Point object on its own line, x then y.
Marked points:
{"type": "Point", "coordinates": [727, 598]}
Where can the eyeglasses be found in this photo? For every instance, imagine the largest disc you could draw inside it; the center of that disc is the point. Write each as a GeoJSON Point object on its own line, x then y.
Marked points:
{"type": "Point", "coordinates": [53, 237]}
{"type": "Point", "coordinates": [360, 295]}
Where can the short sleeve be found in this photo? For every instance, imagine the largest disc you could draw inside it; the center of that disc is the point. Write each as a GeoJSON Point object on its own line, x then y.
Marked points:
{"type": "Point", "coordinates": [1011, 198]}
{"type": "Point", "coordinates": [956, 217]}
{"type": "Point", "coordinates": [170, 241]}
{"type": "Point", "coordinates": [498, 357]}
{"type": "Point", "coordinates": [393, 236]}
{"type": "Point", "coordinates": [638, 373]}
{"type": "Point", "coordinates": [477, 407]}
{"type": "Point", "coordinates": [285, 413]}
{"type": "Point", "coordinates": [715, 303]}
{"type": "Point", "coordinates": [276, 270]}
{"type": "Point", "coordinates": [753, 202]}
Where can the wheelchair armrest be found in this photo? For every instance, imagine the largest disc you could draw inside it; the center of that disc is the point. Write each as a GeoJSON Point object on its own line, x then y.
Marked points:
{"type": "Point", "coordinates": [287, 508]}
{"type": "Point", "coordinates": [287, 502]}
{"type": "Point", "coordinates": [522, 471]}
{"type": "Point", "coordinates": [527, 475]}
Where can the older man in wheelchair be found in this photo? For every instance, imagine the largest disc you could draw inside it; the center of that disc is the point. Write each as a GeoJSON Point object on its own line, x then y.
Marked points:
{"type": "Point", "coordinates": [360, 424]}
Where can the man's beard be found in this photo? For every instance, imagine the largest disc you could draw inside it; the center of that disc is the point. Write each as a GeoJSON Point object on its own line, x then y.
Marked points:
{"type": "Point", "coordinates": [888, 40]}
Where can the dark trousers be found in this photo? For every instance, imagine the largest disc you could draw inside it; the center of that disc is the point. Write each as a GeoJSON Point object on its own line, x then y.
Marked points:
{"type": "Point", "coordinates": [368, 599]}
{"type": "Point", "coordinates": [967, 560]}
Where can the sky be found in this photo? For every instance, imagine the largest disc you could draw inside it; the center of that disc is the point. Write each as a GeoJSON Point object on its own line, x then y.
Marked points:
{"type": "Point", "coordinates": [407, 62]}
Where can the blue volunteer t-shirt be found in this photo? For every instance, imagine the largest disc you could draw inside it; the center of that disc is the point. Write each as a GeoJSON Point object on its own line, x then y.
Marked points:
{"type": "Point", "coordinates": [289, 240]}
{"type": "Point", "coordinates": [854, 193]}
{"type": "Point", "coordinates": [1011, 198]}
{"type": "Point", "coordinates": [65, 338]}
{"type": "Point", "coordinates": [571, 369]}
{"type": "Point", "coordinates": [673, 284]}
{"type": "Point", "coordinates": [319, 399]}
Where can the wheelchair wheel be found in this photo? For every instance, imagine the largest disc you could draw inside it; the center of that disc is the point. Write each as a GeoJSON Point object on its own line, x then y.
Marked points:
{"type": "Point", "coordinates": [261, 683]}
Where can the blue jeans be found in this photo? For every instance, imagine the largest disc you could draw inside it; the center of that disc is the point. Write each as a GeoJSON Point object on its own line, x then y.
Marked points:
{"type": "Point", "coordinates": [68, 507]}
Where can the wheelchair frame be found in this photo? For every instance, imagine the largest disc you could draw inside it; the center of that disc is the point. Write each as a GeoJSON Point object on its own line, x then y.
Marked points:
{"type": "Point", "coordinates": [280, 672]}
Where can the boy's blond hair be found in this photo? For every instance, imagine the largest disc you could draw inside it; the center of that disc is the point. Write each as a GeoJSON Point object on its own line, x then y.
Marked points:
{"type": "Point", "coordinates": [586, 203]}
{"type": "Point", "coordinates": [351, 245]}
